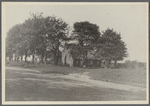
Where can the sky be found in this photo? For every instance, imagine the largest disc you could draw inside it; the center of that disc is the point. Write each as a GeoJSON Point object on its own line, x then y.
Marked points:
{"type": "Point", "coordinates": [128, 19]}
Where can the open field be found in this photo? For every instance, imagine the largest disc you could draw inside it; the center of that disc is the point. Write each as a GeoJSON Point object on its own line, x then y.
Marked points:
{"type": "Point", "coordinates": [28, 82]}
{"type": "Point", "coordinates": [123, 76]}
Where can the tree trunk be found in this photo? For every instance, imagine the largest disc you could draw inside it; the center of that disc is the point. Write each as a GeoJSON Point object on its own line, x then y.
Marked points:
{"type": "Point", "coordinates": [84, 59]}
{"type": "Point", "coordinates": [33, 58]}
{"type": "Point", "coordinates": [109, 62]}
{"type": "Point", "coordinates": [9, 58]}
{"type": "Point", "coordinates": [41, 61]}
{"type": "Point", "coordinates": [15, 57]}
{"type": "Point", "coordinates": [21, 58]}
{"type": "Point", "coordinates": [25, 58]}
{"type": "Point", "coordinates": [45, 55]}
{"type": "Point", "coordinates": [56, 58]}
{"type": "Point", "coordinates": [56, 54]}
{"type": "Point", "coordinates": [65, 63]}
{"type": "Point", "coordinates": [42, 58]}
{"type": "Point", "coordinates": [100, 62]}
{"type": "Point", "coordinates": [115, 63]}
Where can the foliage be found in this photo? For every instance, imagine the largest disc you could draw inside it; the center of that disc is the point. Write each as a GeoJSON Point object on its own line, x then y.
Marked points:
{"type": "Point", "coordinates": [35, 35]}
{"type": "Point", "coordinates": [113, 48]}
{"type": "Point", "coordinates": [134, 65]}
{"type": "Point", "coordinates": [13, 38]}
{"type": "Point", "coordinates": [56, 30]}
{"type": "Point", "coordinates": [43, 36]}
{"type": "Point", "coordinates": [86, 34]}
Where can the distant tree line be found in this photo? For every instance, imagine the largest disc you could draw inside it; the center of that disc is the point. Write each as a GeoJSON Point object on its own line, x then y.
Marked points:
{"type": "Point", "coordinates": [37, 34]}
{"type": "Point", "coordinates": [134, 65]}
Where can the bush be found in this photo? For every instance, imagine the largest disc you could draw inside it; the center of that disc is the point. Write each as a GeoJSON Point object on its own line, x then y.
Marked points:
{"type": "Point", "coordinates": [132, 65]}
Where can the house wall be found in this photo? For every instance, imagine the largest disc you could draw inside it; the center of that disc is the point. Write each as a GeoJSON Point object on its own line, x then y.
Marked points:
{"type": "Point", "coordinates": [66, 57]}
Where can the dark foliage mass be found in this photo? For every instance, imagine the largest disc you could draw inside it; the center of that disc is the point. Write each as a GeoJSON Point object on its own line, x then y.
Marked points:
{"type": "Point", "coordinates": [35, 35]}
{"type": "Point", "coordinates": [43, 36]}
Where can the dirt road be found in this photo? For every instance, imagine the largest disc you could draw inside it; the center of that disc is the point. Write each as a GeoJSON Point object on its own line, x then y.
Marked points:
{"type": "Point", "coordinates": [33, 85]}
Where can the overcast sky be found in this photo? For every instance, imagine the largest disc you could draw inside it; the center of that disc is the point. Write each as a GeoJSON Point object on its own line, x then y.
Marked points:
{"type": "Point", "coordinates": [129, 19]}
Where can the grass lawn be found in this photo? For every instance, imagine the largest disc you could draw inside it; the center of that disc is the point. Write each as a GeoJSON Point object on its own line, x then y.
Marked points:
{"type": "Point", "coordinates": [123, 76]}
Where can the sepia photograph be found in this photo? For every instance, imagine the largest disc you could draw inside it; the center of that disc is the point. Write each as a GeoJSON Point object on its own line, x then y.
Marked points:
{"type": "Point", "coordinates": [75, 53]}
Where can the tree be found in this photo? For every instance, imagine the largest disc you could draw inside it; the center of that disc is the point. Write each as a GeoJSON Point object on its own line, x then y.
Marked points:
{"type": "Point", "coordinates": [35, 35]}
{"type": "Point", "coordinates": [114, 48]}
{"type": "Point", "coordinates": [56, 30]}
{"type": "Point", "coordinates": [52, 31]}
{"type": "Point", "coordinates": [86, 34]}
{"type": "Point", "coordinates": [23, 39]}
{"type": "Point", "coordinates": [9, 50]}
{"type": "Point", "coordinates": [34, 31]}
{"type": "Point", "coordinates": [12, 41]}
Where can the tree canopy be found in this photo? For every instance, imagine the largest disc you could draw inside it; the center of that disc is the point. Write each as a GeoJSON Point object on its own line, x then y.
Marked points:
{"type": "Point", "coordinates": [35, 34]}
{"type": "Point", "coordinates": [43, 36]}
{"type": "Point", "coordinates": [86, 34]}
{"type": "Point", "coordinates": [114, 48]}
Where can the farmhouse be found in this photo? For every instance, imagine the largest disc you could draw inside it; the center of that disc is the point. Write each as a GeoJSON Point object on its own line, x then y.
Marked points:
{"type": "Point", "coordinates": [68, 59]}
